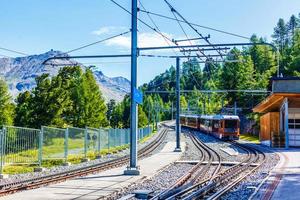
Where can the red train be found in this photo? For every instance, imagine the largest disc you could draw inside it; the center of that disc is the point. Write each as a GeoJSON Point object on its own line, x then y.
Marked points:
{"type": "Point", "coordinates": [225, 127]}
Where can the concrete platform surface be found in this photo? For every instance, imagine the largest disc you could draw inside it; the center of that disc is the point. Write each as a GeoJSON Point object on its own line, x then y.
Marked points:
{"type": "Point", "coordinates": [289, 171]}
{"type": "Point", "coordinates": [102, 184]}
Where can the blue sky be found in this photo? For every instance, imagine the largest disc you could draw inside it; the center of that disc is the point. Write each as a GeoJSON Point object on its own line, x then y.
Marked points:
{"type": "Point", "coordinates": [35, 26]}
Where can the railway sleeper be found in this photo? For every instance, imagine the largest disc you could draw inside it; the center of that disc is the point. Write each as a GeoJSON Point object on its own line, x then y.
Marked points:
{"type": "Point", "coordinates": [223, 163]}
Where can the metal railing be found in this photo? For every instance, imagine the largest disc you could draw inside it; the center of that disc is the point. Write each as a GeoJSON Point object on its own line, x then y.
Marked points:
{"type": "Point", "coordinates": [19, 145]}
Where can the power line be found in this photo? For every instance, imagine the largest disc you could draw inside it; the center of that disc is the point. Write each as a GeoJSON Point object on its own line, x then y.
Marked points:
{"type": "Point", "coordinates": [155, 25]}
{"type": "Point", "coordinates": [198, 25]}
{"type": "Point", "coordinates": [184, 31]}
{"type": "Point", "coordinates": [150, 27]}
{"type": "Point", "coordinates": [120, 6]}
{"type": "Point", "coordinates": [93, 43]}
{"type": "Point", "coordinates": [13, 51]}
{"type": "Point", "coordinates": [201, 52]}
{"type": "Point", "coordinates": [173, 10]}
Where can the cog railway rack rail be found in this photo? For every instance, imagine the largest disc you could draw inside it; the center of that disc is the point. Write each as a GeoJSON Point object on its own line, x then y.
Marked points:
{"type": "Point", "coordinates": [197, 183]}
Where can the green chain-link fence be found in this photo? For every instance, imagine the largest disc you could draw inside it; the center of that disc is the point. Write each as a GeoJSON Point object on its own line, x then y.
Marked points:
{"type": "Point", "coordinates": [19, 145]}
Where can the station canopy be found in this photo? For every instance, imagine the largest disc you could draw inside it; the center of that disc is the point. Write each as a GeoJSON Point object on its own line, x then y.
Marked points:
{"type": "Point", "coordinates": [273, 102]}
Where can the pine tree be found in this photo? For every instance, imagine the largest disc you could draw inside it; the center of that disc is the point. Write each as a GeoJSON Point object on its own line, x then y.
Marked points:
{"type": "Point", "coordinates": [94, 107]}
{"type": "Point", "coordinates": [24, 110]}
{"type": "Point", "coordinates": [110, 107]}
{"type": "Point", "coordinates": [293, 68]}
{"type": "Point", "coordinates": [280, 35]}
{"type": "Point", "coordinates": [6, 105]}
{"type": "Point", "coordinates": [291, 28]}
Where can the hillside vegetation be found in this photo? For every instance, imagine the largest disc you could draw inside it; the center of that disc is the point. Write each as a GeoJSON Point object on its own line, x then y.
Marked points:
{"type": "Point", "coordinates": [73, 98]}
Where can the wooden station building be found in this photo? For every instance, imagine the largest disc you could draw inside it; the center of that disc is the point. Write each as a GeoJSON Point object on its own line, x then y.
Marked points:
{"type": "Point", "coordinates": [280, 120]}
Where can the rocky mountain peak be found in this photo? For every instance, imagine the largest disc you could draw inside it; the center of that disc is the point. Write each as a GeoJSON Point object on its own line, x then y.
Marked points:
{"type": "Point", "coordinates": [20, 73]}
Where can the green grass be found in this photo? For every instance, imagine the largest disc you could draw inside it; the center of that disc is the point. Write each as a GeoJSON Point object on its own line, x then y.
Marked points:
{"type": "Point", "coordinates": [250, 137]}
{"type": "Point", "coordinates": [57, 147]}
{"type": "Point", "coordinates": [148, 137]}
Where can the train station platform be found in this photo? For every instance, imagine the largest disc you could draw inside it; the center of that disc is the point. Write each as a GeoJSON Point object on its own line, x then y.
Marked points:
{"type": "Point", "coordinates": [284, 180]}
{"type": "Point", "coordinates": [102, 184]}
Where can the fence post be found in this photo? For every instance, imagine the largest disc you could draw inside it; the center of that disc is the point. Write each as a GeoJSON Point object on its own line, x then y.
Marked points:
{"type": "Point", "coordinates": [108, 134]}
{"type": "Point", "coordinates": [85, 143]}
{"type": "Point", "coordinates": [66, 144]}
{"type": "Point", "coordinates": [41, 134]}
{"type": "Point", "coordinates": [4, 145]}
{"type": "Point", "coordinates": [115, 136]}
{"type": "Point", "coordinates": [99, 145]}
{"type": "Point", "coordinates": [1, 149]}
{"type": "Point", "coordinates": [119, 137]}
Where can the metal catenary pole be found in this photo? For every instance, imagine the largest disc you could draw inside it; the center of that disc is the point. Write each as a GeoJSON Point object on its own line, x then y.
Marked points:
{"type": "Point", "coordinates": [133, 169]}
{"type": "Point", "coordinates": [177, 104]}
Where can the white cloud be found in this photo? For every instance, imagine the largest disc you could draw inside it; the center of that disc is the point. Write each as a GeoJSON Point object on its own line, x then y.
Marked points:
{"type": "Point", "coordinates": [145, 39]}
{"type": "Point", "coordinates": [108, 30]}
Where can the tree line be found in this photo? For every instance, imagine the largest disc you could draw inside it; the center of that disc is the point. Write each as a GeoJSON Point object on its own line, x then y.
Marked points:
{"type": "Point", "coordinates": [73, 98]}
{"type": "Point", "coordinates": [252, 70]}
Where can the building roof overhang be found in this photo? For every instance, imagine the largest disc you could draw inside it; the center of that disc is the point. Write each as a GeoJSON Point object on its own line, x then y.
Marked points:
{"type": "Point", "coordinates": [272, 103]}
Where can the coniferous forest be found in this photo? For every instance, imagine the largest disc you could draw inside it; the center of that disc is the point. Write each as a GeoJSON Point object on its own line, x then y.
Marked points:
{"type": "Point", "coordinates": [73, 98]}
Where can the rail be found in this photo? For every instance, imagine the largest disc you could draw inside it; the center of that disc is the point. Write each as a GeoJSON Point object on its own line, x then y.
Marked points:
{"type": "Point", "coordinates": [20, 145]}
{"type": "Point", "coordinates": [82, 171]}
{"type": "Point", "coordinates": [220, 182]}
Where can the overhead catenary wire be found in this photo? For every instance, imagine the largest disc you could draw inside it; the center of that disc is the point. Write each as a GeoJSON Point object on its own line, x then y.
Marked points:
{"type": "Point", "coordinates": [100, 41]}
{"type": "Point", "coordinates": [201, 52]}
{"type": "Point", "coordinates": [156, 26]}
{"type": "Point", "coordinates": [198, 25]}
{"type": "Point", "coordinates": [173, 10]}
{"type": "Point", "coordinates": [184, 32]}
{"type": "Point", "coordinates": [143, 22]}
{"type": "Point", "coordinates": [85, 46]}
{"type": "Point", "coordinates": [14, 51]}
{"type": "Point", "coordinates": [123, 8]}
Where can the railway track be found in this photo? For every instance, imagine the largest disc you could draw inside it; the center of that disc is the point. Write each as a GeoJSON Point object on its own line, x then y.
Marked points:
{"type": "Point", "coordinates": [219, 182]}
{"type": "Point", "coordinates": [195, 174]}
{"type": "Point", "coordinates": [10, 188]}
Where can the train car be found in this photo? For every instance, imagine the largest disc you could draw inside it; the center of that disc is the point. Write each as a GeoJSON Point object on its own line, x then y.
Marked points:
{"type": "Point", "coordinates": [190, 121]}
{"type": "Point", "coordinates": [225, 127]}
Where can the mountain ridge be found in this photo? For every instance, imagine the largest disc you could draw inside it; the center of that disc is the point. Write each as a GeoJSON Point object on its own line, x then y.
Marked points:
{"type": "Point", "coordinates": [20, 74]}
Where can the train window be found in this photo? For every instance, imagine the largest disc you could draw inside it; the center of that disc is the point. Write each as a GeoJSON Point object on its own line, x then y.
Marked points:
{"type": "Point", "coordinates": [216, 124]}
{"type": "Point", "coordinates": [230, 123]}
{"type": "Point", "coordinates": [291, 126]}
{"type": "Point", "coordinates": [291, 120]}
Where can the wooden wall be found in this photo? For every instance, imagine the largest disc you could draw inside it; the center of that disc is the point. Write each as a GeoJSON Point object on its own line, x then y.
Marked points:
{"type": "Point", "coordinates": [269, 123]}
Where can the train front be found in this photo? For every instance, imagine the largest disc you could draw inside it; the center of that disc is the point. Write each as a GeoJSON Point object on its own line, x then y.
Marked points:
{"type": "Point", "coordinates": [231, 126]}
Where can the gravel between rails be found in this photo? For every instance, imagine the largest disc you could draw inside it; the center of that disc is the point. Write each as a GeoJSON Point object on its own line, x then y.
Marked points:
{"type": "Point", "coordinates": [218, 145]}
{"type": "Point", "coordinates": [161, 181]}
{"type": "Point", "coordinates": [170, 174]}
{"type": "Point", "coordinates": [245, 189]}
{"type": "Point", "coordinates": [190, 152]}
{"type": "Point", "coordinates": [59, 169]}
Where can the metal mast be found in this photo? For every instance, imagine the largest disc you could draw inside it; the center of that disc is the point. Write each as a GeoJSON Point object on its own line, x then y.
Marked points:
{"type": "Point", "coordinates": [132, 169]}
